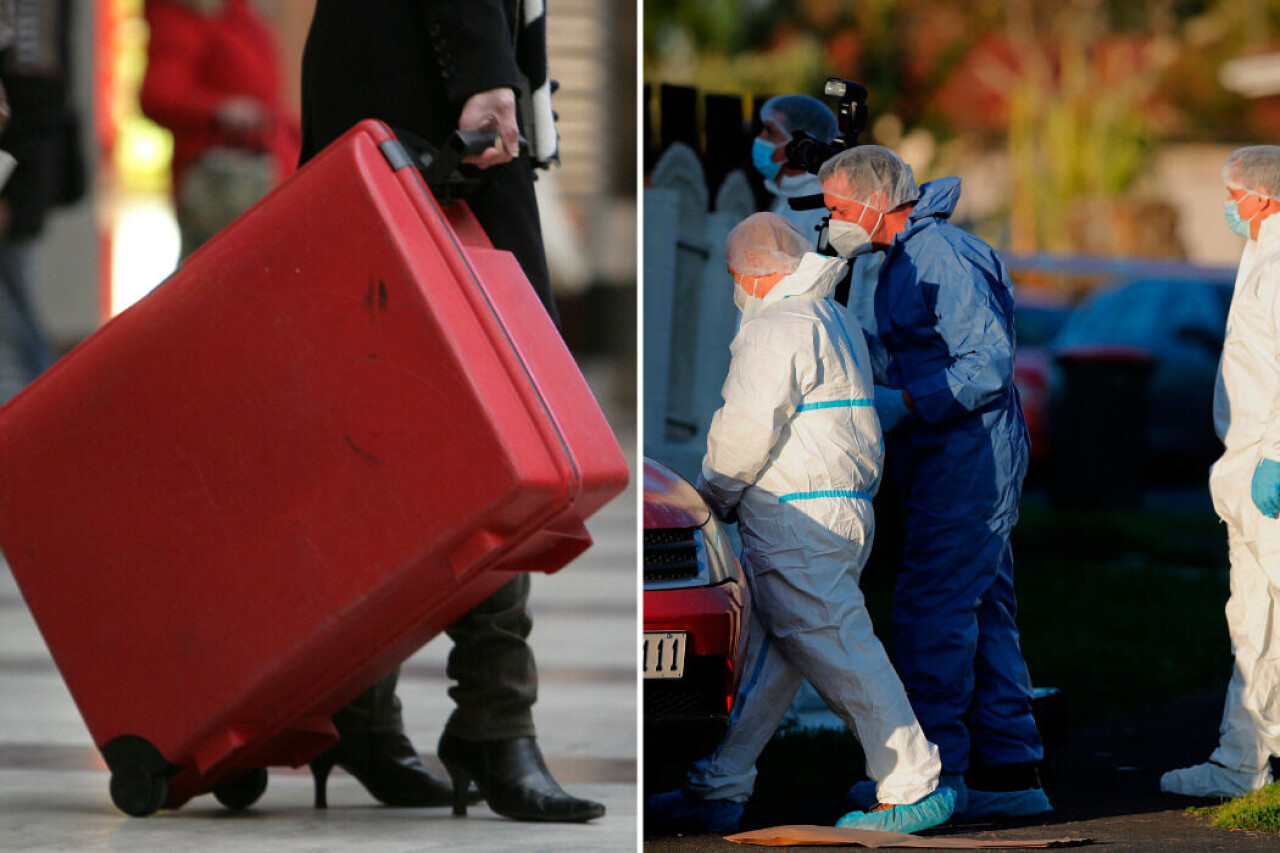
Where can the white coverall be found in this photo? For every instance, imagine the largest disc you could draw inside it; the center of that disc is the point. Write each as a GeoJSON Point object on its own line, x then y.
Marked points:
{"type": "Point", "coordinates": [796, 450]}
{"type": "Point", "coordinates": [1246, 414]}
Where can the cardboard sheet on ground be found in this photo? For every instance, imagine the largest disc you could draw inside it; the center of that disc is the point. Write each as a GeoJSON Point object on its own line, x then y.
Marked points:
{"type": "Point", "coordinates": [783, 836]}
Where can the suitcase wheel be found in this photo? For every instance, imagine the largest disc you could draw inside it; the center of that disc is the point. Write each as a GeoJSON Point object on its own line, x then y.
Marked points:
{"type": "Point", "coordinates": [137, 791]}
{"type": "Point", "coordinates": [139, 775]}
{"type": "Point", "coordinates": [244, 791]}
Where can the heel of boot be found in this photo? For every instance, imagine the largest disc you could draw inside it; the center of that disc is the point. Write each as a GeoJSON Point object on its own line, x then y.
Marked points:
{"type": "Point", "coordinates": [461, 780]}
{"type": "Point", "coordinates": [320, 774]}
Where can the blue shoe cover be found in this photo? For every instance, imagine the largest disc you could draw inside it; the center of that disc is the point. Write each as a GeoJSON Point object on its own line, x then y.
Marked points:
{"type": "Point", "coordinates": [933, 810]}
{"type": "Point", "coordinates": [1031, 801]}
{"type": "Point", "coordinates": [678, 811]}
{"type": "Point", "coordinates": [862, 796]}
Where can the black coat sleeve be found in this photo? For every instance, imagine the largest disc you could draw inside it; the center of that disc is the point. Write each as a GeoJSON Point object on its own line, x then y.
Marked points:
{"type": "Point", "coordinates": [472, 43]}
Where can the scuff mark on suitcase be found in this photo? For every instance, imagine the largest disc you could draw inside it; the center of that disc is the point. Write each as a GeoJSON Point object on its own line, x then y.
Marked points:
{"type": "Point", "coordinates": [360, 451]}
{"type": "Point", "coordinates": [381, 296]}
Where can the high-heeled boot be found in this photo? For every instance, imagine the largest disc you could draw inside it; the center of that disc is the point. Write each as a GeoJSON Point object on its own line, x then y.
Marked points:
{"type": "Point", "coordinates": [512, 778]}
{"type": "Point", "coordinates": [389, 768]}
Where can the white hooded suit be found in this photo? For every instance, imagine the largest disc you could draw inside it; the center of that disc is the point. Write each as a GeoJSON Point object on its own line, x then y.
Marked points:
{"type": "Point", "coordinates": [796, 452]}
{"type": "Point", "coordinates": [1246, 414]}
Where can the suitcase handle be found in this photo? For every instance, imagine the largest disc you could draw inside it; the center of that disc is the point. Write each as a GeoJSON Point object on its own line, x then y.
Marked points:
{"type": "Point", "coordinates": [439, 167]}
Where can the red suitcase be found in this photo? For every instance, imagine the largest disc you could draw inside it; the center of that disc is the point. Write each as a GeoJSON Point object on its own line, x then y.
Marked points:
{"type": "Point", "coordinates": [343, 423]}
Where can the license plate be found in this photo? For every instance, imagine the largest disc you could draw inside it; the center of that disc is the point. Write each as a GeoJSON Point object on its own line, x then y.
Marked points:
{"type": "Point", "coordinates": [664, 654]}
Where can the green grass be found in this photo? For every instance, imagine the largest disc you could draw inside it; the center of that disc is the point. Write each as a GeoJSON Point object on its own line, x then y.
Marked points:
{"type": "Point", "coordinates": [1120, 611]}
{"type": "Point", "coordinates": [1258, 811]}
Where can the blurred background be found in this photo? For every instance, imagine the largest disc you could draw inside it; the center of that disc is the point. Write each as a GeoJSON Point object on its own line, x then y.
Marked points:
{"type": "Point", "coordinates": [1082, 126]}
{"type": "Point", "coordinates": [99, 253]}
{"type": "Point", "coordinates": [1090, 137]}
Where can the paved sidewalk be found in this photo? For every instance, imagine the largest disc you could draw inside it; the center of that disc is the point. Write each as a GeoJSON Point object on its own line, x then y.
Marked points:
{"type": "Point", "coordinates": [54, 786]}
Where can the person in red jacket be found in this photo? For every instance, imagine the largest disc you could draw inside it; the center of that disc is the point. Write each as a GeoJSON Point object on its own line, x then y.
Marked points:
{"type": "Point", "coordinates": [213, 80]}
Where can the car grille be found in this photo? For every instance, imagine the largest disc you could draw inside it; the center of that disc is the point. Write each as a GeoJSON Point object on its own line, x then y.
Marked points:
{"type": "Point", "coordinates": [670, 554]}
{"type": "Point", "coordinates": [700, 695]}
{"type": "Point", "coordinates": [683, 703]}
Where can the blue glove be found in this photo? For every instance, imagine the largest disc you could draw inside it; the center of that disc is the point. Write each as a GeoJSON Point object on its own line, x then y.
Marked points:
{"type": "Point", "coordinates": [890, 407]}
{"type": "Point", "coordinates": [1266, 488]}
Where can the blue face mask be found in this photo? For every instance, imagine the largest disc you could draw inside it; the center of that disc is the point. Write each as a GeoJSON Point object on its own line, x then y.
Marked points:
{"type": "Point", "coordinates": [1231, 209]}
{"type": "Point", "coordinates": [762, 159]}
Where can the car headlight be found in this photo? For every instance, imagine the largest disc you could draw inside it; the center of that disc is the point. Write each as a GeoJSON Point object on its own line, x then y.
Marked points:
{"type": "Point", "coordinates": [677, 558]}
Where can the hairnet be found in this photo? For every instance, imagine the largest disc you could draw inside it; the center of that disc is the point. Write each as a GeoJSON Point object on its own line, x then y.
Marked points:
{"type": "Point", "coordinates": [868, 169]}
{"type": "Point", "coordinates": [1255, 169]}
{"type": "Point", "coordinates": [764, 244]}
{"type": "Point", "coordinates": [801, 112]}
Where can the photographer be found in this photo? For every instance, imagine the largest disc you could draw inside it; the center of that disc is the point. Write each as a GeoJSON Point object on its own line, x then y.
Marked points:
{"type": "Point", "coordinates": [780, 117]}
{"type": "Point", "coordinates": [799, 134]}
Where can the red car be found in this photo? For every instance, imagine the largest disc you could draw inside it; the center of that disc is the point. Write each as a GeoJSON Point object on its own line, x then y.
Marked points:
{"type": "Point", "coordinates": [696, 612]}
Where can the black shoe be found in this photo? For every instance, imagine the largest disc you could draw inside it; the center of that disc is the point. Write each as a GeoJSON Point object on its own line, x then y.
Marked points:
{"type": "Point", "coordinates": [513, 779]}
{"type": "Point", "coordinates": [388, 767]}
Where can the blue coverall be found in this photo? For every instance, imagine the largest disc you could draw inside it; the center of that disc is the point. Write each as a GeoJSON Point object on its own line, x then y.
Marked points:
{"type": "Point", "coordinates": [944, 315]}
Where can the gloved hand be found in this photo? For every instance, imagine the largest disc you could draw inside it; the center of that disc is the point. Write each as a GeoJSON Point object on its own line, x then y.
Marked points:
{"type": "Point", "coordinates": [1266, 488]}
{"type": "Point", "coordinates": [890, 407]}
{"type": "Point", "coordinates": [719, 506]}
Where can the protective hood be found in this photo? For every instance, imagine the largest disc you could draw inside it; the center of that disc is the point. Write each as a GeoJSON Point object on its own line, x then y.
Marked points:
{"type": "Point", "coordinates": [937, 199]}
{"type": "Point", "coordinates": [793, 186]}
{"type": "Point", "coordinates": [815, 278]}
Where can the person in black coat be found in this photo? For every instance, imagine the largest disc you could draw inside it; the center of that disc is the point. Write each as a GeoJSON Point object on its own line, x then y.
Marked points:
{"type": "Point", "coordinates": [44, 137]}
{"type": "Point", "coordinates": [429, 67]}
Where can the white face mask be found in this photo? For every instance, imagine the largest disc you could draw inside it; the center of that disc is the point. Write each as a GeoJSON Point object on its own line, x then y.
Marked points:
{"type": "Point", "coordinates": [848, 238]}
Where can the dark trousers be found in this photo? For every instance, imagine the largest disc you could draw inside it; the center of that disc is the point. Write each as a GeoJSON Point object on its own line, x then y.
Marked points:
{"type": "Point", "coordinates": [496, 681]}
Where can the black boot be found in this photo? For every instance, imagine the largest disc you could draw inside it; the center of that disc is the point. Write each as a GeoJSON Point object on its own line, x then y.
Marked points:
{"type": "Point", "coordinates": [513, 779]}
{"type": "Point", "coordinates": [388, 767]}
{"type": "Point", "coordinates": [373, 749]}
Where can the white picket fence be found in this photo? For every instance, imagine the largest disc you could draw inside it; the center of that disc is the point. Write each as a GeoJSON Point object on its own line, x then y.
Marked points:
{"type": "Point", "coordinates": [689, 316]}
